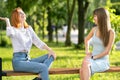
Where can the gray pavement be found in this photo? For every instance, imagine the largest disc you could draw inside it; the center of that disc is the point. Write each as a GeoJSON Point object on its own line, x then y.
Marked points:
{"type": "Point", "coordinates": [74, 36]}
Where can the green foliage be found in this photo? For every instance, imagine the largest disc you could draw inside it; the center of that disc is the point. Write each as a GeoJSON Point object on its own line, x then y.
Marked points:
{"type": "Point", "coordinates": [26, 5]}
{"type": "Point", "coordinates": [115, 23]}
{"type": "Point", "coordinates": [115, 0]}
{"type": "Point", "coordinates": [5, 41]}
{"type": "Point", "coordinates": [37, 12]}
{"type": "Point", "coordinates": [3, 13]}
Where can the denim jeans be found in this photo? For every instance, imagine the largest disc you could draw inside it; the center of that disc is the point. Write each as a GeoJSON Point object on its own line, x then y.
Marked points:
{"type": "Point", "coordinates": [22, 62]}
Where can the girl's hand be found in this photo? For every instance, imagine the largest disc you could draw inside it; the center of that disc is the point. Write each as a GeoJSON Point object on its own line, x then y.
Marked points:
{"type": "Point", "coordinates": [88, 53]}
{"type": "Point", "coordinates": [51, 53]}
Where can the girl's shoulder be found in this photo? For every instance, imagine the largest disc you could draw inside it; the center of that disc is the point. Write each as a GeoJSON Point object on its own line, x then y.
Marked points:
{"type": "Point", "coordinates": [29, 27]}
{"type": "Point", "coordinates": [112, 31]}
{"type": "Point", "coordinates": [94, 28]}
{"type": "Point", "coordinates": [12, 27]}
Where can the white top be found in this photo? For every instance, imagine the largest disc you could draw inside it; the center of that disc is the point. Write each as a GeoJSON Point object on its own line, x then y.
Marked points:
{"type": "Point", "coordinates": [22, 38]}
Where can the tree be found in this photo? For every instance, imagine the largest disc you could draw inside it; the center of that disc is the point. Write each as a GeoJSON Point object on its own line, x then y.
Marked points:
{"type": "Point", "coordinates": [48, 5]}
{"type": "Point", "coordinates": [116, 6]}
{"type": "Point", "coordinates": [82, 8]}
{"type": "Point", "coordinates": [55, 14]}
{"type": "Point", "coordinates": [24, 4]}
{"type": "Point", "coordinates": [70, 16]}
{"type": "Point", "coordinates": [3, 13]}
{"type": "Point", "coordinates": [49, 27]}
{"type": "Point", "coordinates": [59, 15]}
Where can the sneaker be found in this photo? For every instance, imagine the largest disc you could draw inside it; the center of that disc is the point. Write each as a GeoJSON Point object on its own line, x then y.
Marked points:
{"type": "Point", "coordinates": [36, 78]}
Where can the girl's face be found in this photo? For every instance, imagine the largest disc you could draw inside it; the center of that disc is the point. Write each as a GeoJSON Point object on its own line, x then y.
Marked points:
{"type": "Point", "coordinates": [95, 19]}
{"type": "Point", "coordinates": [22, 16]}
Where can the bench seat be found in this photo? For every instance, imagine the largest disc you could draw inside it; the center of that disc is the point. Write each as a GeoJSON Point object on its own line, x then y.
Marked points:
{"type": "Point", "coordinates": [54, 71]}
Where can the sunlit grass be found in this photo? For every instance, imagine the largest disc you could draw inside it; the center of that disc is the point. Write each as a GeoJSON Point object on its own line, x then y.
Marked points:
{"type": "Point", "coordinates": [67, 57]}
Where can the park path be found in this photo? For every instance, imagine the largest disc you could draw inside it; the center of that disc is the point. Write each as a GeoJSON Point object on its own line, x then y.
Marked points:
{"type": "Point", "coordinates": [74, 36]}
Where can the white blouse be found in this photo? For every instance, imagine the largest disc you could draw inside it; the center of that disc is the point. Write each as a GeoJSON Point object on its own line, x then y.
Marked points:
{"type": "Point", "coordinates": [22, 38]}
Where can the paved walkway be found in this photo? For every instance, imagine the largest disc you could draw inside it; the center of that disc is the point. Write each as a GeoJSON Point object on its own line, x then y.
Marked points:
{"type": "Point", "coordinates": [74, 36]}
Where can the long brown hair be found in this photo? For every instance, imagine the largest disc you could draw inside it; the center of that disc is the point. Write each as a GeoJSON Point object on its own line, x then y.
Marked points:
{"type": "Point", "coordinates": [103, 24]}
{"type": "Point", "coordinates": [15, 18]}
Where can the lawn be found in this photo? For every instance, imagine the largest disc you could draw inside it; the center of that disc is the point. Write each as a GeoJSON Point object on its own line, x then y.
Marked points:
{"type": "Point", "coordinates": [67, 57]}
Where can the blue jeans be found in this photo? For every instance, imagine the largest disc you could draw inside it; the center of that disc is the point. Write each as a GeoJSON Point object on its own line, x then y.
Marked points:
{"type": "Point", "coordinates": [40, 65]}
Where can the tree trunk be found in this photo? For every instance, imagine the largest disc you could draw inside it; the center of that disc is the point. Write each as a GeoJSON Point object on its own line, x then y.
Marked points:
{"type": "Point", "coordinates": [82, 8]}
{"type": "Point", "coordinates": [49, 27]}
{"type": "Point", "coordinates": [70, 16]}
{"type": "Point", "coordinates": [43, 33]}
{"type": "Point", "coordinates": [56, 33]}
{"type": "Point", "coordinates": [39, 29]}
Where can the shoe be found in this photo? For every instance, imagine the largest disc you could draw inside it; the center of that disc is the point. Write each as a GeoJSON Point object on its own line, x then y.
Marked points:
{"type": "Point", "coordinates": [36, 78]}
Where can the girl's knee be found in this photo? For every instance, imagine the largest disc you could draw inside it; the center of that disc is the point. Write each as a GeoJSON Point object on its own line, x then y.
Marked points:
{"type": "Point", "coordinates": [85, 64]}
{"type": "Point", "coordinates": [52, 58]}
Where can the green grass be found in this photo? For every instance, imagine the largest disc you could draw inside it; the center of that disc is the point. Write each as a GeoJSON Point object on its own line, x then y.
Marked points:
{"type": "Point", "coordinates": [67, 57]}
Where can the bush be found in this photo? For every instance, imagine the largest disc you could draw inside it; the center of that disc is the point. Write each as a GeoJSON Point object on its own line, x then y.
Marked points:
{"type": "Point", "coordinates": [5, 41]}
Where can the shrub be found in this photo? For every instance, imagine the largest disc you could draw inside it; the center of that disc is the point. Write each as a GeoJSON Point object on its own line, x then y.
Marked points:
{"type": "Point", "coordinates": [5, 41]}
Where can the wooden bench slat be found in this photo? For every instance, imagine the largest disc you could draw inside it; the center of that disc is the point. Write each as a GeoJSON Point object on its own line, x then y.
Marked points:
{"type": "Point", "coordinates": [64, 70]}
{"type": "Point", "coordinates": [51, 71]}
{"type": "Point", "coordinates": [13, 73]}
{"type": "Point", "coordinates": [57, 71]}
{"type": "Point", "coordinates": [114, 69]}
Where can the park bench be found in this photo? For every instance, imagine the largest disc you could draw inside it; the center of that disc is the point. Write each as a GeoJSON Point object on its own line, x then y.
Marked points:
{"type": "Point", "coordinates": [54, 71]}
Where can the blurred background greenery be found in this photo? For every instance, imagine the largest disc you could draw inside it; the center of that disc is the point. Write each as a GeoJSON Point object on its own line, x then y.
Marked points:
{"type": "Point", "coordinates": [42, 15]}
